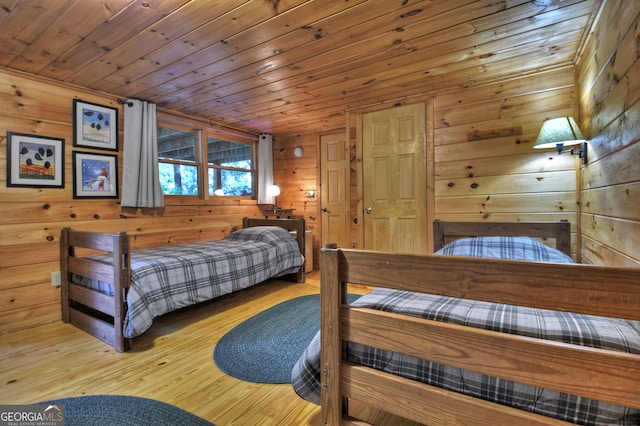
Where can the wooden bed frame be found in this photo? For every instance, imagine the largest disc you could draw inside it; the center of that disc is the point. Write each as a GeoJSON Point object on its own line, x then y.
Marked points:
{"type": "Point", "coordinates": [594, 373]}
{"type": "Point", "coordinates": [101, 315]}
{"type": "Point", "coordinates": [443, 232]}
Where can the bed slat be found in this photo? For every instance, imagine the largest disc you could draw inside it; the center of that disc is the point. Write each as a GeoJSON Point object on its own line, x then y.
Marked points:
{"type": "Point", "coordinates": [595, 290]}
{"type": "Point", "coordinates": [94, 241]}
{"type": "Point", "coordinates": [429, 404]}
{"type": "Point", "coordinates": [567, 368]}
{"type": "Point", "coordinates": [94, 326]}
{"type": "Point", "coordinates": [93, 299]}
{"type": "Point", "coordinates": [91, 269]}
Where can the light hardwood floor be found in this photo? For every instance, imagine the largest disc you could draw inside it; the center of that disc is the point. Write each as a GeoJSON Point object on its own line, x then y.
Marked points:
{"type": "Point", "coordinates": [172, 362]}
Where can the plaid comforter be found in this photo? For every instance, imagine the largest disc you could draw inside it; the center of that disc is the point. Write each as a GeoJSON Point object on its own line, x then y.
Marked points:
{"type": "Point", "coordinates": [579, 329]}
{"type": "Point", "coordinates": [168, 278]}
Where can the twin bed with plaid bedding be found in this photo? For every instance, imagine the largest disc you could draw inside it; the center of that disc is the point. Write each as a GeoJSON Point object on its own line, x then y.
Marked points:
{"type": "Point", "coordinates": [579, 329]}
{"type": "Point", "coordinates": [168, 278]}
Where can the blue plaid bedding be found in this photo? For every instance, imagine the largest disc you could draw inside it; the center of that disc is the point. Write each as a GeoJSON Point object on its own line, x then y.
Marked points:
{"type": "Point", "coordinates": [610, 333]}
{"type": "Point", "coordinates": [168, 278]}
{"type": "Point", "coordinates": [514, 248]}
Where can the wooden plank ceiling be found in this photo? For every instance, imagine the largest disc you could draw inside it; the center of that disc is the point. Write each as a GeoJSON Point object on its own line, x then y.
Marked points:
{"type": "Point", "coordinates": [286, 66]}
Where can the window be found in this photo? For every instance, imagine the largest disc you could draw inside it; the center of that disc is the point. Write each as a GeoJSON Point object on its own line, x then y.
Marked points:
{"type": "Point", "coordinates": [227, 167]}
{"type": "Point", "coordinates": [230, 167]}
{"type": "Point", "coordinates": [178, 161]}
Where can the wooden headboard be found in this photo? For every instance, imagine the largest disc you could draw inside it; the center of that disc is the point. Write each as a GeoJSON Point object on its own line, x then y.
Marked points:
{"type": "Point", "coordinates": [560, 231]}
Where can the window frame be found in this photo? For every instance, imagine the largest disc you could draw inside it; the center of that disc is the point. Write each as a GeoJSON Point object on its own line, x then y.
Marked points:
{"type": "Point", "coordinates": [208, 132]}
{"type": "Point", "coordinates": [187, 128]}
{"type": "Point", "coordinates": [203, 132]}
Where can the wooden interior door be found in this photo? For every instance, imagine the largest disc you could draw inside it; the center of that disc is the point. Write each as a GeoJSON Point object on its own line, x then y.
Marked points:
{"type": "Point", "coordinates": [395, 180]}
{"type": "Point", "coordinates": [334, 193]}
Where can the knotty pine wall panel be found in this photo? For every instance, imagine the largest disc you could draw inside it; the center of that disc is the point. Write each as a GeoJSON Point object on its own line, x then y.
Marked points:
{"type": "Point", "coordinates": [31, 218]}
{"type": "Point", "coordinates": [485, 166]}
{"type": "Point", "coordinates": [608, 79]}
{"type": "Point", "coordinates": [296, 177]}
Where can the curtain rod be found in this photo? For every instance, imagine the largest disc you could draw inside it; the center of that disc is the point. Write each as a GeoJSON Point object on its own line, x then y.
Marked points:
{"type": "Point", "coordinates": [125, 102]}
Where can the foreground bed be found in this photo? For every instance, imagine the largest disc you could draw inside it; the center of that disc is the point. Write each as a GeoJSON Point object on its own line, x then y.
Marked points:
{"type": "Point", "coordinates": [460, 359]}
{"type": "Point", "coordinates": [115, 295]}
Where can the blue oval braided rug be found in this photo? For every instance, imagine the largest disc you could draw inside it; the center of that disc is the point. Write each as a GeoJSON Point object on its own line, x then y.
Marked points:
{"type": "Point", "coordinates": [264, 348]}
{"type": "Point", "coordinates": [121, 410]}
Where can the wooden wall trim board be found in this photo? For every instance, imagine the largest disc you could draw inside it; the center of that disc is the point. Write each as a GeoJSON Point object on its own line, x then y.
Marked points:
{"type": "Point", "coordinates": [355, 148]}
{"type": "Point", "coordinates": [529, 126]}
{"type": "Point", "coordinates": [522, 161]}
{"type": "Point", "coordinates": [430, 189]}
{"type": "Point", "coordinates": [487, 206]}
{"type": "Point", "coordinates": [530, 183]}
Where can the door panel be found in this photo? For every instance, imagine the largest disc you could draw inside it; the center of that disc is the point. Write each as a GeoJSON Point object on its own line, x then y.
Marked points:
{"type": "Point", "coordinates": [334, 194]}
{"type": "Point", "coordinates": [395, 179]}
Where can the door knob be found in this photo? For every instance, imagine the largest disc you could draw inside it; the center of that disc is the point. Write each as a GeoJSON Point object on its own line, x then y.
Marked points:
{"type": "Point", "coordinates": [368, 210]}
{"type": "Point", "coordinates": [324, 210]}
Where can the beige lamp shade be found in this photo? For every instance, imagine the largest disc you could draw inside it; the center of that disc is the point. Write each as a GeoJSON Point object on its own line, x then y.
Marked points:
{"type": "Point", "coordinates": [556, 131]}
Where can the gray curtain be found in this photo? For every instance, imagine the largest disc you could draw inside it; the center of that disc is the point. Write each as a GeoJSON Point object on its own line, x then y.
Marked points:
{"type": "Point", "coordinates": [265, 168]}
{"type": "Point", "coordinates": [140, 176]}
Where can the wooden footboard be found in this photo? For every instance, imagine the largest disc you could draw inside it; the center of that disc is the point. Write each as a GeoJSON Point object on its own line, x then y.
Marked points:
{"type": "Point", "coordinates": [593, 373]}
{"type": "Point", "coordinates": [92, 311]}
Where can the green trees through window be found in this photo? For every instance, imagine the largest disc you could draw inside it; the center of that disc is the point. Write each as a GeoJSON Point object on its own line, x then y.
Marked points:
{"type": "Point", "coordinates": [227, 166]}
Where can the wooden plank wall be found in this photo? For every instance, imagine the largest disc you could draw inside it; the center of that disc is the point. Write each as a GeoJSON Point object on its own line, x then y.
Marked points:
{"type": "Point", "coordinates": [31, 218]}
{"type": "Point", "coordinates": [296, 177]}
{"type": "Point", "coordinates": [485, 166]}
{"type": "Point", "coordinates": [608, 77]}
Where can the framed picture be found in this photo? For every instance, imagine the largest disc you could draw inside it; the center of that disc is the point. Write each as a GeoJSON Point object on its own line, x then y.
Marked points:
{"type": "Point", "coordinates": [95, 175]}
{"type": "Point", "coordinates": [95, 126]}
{"type": "Point", "coordinates": [36, 161]}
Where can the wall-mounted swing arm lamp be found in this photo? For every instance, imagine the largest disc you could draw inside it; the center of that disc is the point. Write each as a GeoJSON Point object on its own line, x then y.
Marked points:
{"type": "Point", "coordinates": [560, 132]}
